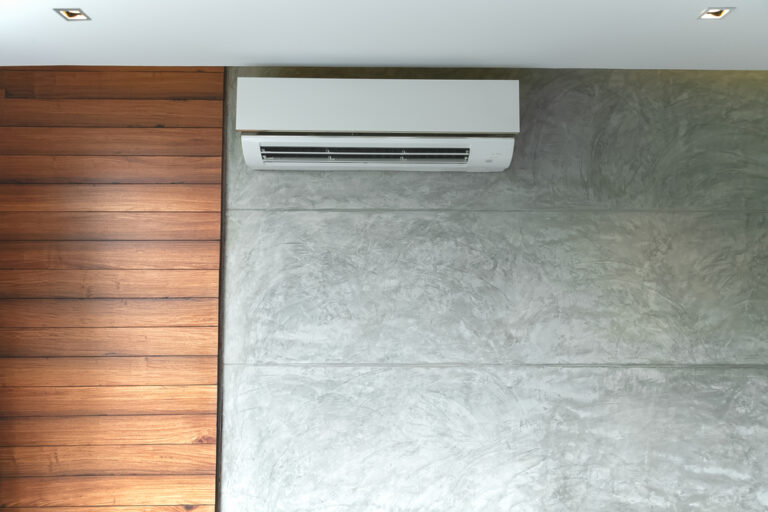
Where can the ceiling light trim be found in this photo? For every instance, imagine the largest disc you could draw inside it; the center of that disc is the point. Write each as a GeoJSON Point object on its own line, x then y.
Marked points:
{"type": "Point", "coordinates": [72, 14]}
{"type": "Point", "coordinates": [715, 13]}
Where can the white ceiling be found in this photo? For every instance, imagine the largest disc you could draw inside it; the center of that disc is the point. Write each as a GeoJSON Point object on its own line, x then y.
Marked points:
{"type": "Point", "coordinates": [656, 34]}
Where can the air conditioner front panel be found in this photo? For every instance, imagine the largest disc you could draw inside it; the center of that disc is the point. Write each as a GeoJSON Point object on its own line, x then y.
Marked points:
{"type": "Point", "coordinates": [339, 105]}
{"type": "Point", "coordinates": [393, 153]}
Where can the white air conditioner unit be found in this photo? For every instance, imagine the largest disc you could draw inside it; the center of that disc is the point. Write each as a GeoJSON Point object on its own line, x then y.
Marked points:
{"type": "Point", "coordinates": [372, 124]}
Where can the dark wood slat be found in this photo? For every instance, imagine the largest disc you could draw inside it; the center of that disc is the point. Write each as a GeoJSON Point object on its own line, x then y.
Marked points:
{"type": "Point", "coordinates": [110, 113]}
{"type": "Point", "coordinates": [85, 284]}
{"type": "Point", "coordinates": [110, 198]}
{"type": "Point", "coordinates": [110, 141]}
{"type": "Point", "coordinates": [109, 255]}
{"type": "Point", "coordinates": [108, 312]}
{"type": "Point", "coordinates": [101, 430]}
{"type": "Point", "coordinates": [112, 69]}
{"type": "Point", "coordinates": [140, 508]}
{"type": "Point", "coordinates": [109, 226]}
{"type": "Point", "coordinates": [66, 84]}
{"type": "Point", "coordinates": [108, 371]}
{"type": "Point", "coordinates": [107, 490]}
{"type": "Point", "coordinates": [114, 401]}
{"type": "Point", "coordinates": [108, 341]}
{"type": "Point", "coordinates": [109, 169]}
{"type": "Point", "coordinates": [191, 459]}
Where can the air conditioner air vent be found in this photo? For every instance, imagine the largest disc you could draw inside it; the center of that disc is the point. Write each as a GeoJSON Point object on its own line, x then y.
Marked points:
{"type": "Point", "coordinates": [393, 155]}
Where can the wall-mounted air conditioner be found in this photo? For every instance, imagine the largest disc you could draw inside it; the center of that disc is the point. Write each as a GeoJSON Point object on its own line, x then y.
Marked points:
{"type": "Point", "coordinates": [374, 124]}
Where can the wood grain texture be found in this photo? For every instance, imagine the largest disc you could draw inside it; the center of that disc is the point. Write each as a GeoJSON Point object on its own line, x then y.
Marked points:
{"type": "Point", "coordinates": [108, 312]}
{"type": "Point", "coordinates": [107, 491]}
{"type": "Point", "coordinates": [110, 141]}
{"type": "Point", "coordinates": [111, 113]}
{"type": "Point", "coordinates": [109, 341]}
{"type": "Point", "coordinates": [107, 84]}
{"type": "Point", "coordinates": [191, 459]}
{"type": "Point", "coordinates": [114, 400]}
{"type": "Point", "coordinates": [111, 198]}
{"type": "Point", "coordinates": [108, 371]}
{"type": "Point", "coordinates": [109, 226]}
{"type": "Point", "coordinates": [109, 169]}
{"type": "Point", "coordinates": [108, 430]}
{"type": "Point", "coordinates": [140, 508]}
{"type": "Point", "coordinates": [108, 283]}
{"type": "Point", "coordinates": [115, 255]}
{"type": "Point", "coordinates": [110, 212]}
{"type": "Point", "coordinates": [113, 69]}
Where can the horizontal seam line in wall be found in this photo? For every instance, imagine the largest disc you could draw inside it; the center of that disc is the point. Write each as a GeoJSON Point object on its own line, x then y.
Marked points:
{"type": "Point", "coordinates": [109, 126]}
{"type": "Point", "coordinates": [140, 385]}
{"type": "Point", "coordinates": [478, 210]}
{"type": "Point", "coordinates": [109, 240]}
{"type": "Point", "coordinates": [504, 365]}
{"type": "Point", "coordinates": [100, 445]}
{"type": "Point", "coordinates": [124, 415]}
{"type": "Point", "coordinates": [111, 211]}
{"type": "Point", "coordinates": [106, 444]}
{"type": "Point", "coordinates": [110, 356]}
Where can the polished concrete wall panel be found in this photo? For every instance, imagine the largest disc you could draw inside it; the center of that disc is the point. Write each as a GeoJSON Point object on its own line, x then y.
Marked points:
{"type": "Point", "coordinates": [587, 330]}
{"type": "Point", "coordinates": [490, 439]}
{"type": "Point", "coordinates": [487, 287]}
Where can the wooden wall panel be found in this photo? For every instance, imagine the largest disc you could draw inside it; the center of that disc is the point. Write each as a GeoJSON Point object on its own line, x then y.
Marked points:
{"type": "Point", "coordinates": [109, 169]}
{"type": "Point", "coordinates": [108, 430]}
{"type": "Point", "coordinates": [108, 371]}
{"type": "Point", "coordinates": [106, 490]}
{"type": "Point", "coordinates": [116, 255]}
{"type": "Point", "coordinates": [109, 141]}
{"type": "Point", "coordinates": [111, 198]}
{"type": "Point", "coordinates": [111, 84]}
{"type": "Point", "coordinates": [110, 208]}
{"type": "Point", "coordinates": [140, 226]}
{"type": "Point", "coordinates": [184, 459]}
{"type": "Point", "coordinates": [107, 400]}
{"type": "Point", "coordinates": [108, 283]}
{"type": "Point", "coordinates": [108, 312]}
{"type": "Point", "coordinates": [110, 113]}
{"type": "Point", "coordinates": [108, 341]}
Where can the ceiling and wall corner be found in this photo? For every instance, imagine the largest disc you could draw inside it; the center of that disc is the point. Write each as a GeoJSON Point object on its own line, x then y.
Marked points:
{"type": "Point", "coordinates": [545, 34]}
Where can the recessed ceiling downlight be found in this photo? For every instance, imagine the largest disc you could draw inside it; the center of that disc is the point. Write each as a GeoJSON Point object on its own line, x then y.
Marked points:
{"type": "Point", "coordinates": [73, 14]}
{"type": "Point", "coordinates": [715, 13]}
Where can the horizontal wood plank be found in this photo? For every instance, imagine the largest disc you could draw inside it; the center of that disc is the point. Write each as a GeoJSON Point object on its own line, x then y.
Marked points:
{"type": "Point", "coordinates": [111, 198]}
{"type": "Point", "coordinates": [105, 430]}
{"type": "Point", "coordinates": [111, 113]}
{"type": "Point", "coordinates": [110, 169]}
{"type": "Point", "coordinates": [107, 490]}
{"type": "Point", "coordinates": [110, 141]}
{"type": "Point", "coordinates": [108, 371]}
{"type": "Point", "coordinates": [44, 284]}
{"type": "Point", "coordinates": [116, 255]}
{"type": "Point", "coordinates": [191, 459]}
{"type": "Point", "coordinates": [108, 341]}
{"type": "Point", "coordinates": [109, 226]}
{"type": "Point", "coordinates": [74, 84]}
{"type": "Point", "coordinates": [112, 69]}
{"type": "Point", "coordinates": [140, 508]}
{"type": "Point", "coordinates": [114, 401]}
{"type": "Point", "coordinates": [108, 312]}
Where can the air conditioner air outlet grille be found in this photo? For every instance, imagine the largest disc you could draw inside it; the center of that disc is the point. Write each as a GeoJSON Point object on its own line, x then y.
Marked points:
{"type": "Point", "coordinates": [361, 154]}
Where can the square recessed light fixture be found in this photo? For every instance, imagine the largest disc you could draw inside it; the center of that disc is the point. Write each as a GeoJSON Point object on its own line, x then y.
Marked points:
{"type": "Point", "coordinates": [73, 14]}
{"type": "Point", "coordinates": [715, 13]}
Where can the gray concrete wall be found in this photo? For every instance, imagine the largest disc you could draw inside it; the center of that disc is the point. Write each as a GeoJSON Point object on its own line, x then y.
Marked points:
{"type": "Point", "coordinates": [586, 331]}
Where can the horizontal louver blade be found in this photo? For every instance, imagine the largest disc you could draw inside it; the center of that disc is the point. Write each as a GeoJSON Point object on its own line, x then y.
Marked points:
{"type": "Point", "coordinates": [362, 154]}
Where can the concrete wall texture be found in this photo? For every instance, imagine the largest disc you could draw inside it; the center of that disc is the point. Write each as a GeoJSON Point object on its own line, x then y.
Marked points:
{"type": "Point", "coordinates": [585, 331]}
